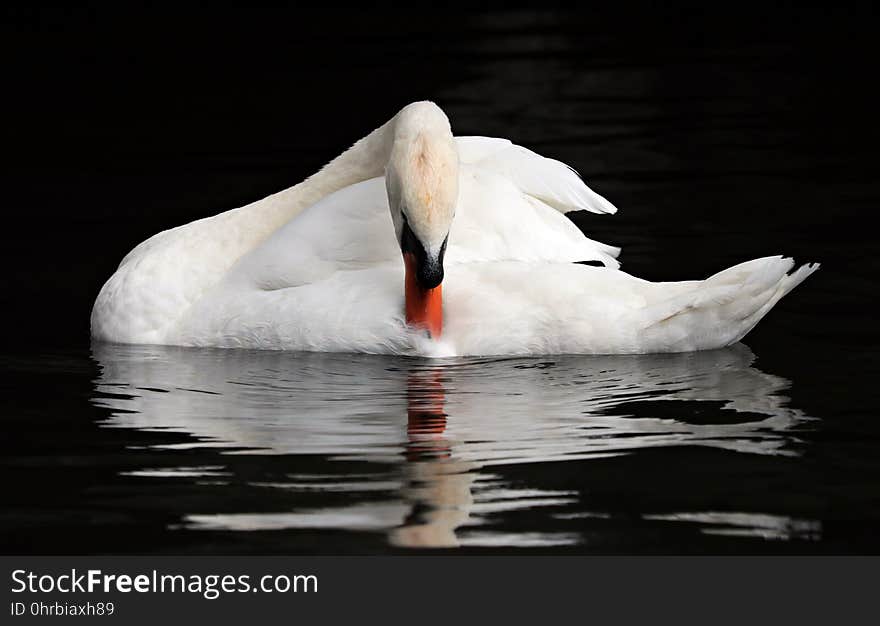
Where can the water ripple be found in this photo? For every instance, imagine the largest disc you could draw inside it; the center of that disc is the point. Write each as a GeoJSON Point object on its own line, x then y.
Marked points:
{"type": "Point", "coordinates": [440, 424]}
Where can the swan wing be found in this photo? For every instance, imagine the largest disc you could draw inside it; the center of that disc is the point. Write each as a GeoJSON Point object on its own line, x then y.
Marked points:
{"type": "Point", "coordinates": [548, 180]}
{"type": "Point", "coordinates": [352, 229]}
{"type": "Point", "coordinates": [511, 207]}
{"type": "Point", "coordinates": [497, 221]}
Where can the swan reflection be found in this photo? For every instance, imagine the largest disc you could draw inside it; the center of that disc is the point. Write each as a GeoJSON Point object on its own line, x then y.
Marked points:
{"type": "Point", "coordinates": [441, 424]}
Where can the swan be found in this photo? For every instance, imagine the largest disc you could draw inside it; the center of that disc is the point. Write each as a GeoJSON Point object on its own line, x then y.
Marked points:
{"type": "Point", "coordinates": [414, 241]}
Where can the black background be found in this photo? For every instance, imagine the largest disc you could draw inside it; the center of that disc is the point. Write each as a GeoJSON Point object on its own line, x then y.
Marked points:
{"type": "Point", "coordinates": [721, 134]}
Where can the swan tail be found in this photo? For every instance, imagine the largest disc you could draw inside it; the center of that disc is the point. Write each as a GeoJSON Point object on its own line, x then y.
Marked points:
{"type": "Point", "coordinates": [722, 309]}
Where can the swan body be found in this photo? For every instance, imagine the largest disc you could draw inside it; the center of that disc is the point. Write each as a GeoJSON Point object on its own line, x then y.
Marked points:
{"type": "Point", "coordinates": [318, 266]}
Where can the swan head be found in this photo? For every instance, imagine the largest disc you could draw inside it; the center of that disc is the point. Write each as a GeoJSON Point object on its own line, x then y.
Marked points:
{"type": "Point", "coordinates": [421, 179]}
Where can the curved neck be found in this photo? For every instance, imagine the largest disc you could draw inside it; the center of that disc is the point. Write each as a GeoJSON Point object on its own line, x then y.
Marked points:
{"type": "Point", "coordinates": [364, 160]}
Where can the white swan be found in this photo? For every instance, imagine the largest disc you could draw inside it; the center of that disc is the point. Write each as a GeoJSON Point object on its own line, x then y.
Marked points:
{"type": "Point", "coordinates": [318, 266]}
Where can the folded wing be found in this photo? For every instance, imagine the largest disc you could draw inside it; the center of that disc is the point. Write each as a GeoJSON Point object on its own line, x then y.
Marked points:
{"type": "Point", "coordinates": [548, 180]}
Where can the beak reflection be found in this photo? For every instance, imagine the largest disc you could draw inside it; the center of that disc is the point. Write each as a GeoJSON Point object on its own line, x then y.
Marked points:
{"type": "Point", "coordinates": [437, 485]}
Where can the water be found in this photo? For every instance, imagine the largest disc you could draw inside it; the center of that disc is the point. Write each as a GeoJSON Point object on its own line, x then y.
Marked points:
{"type": "Point", "coordinates": [426, 436]}
{"type": "Point", "coordinates": [721, 139]}
{"type": "Point", "coordinates": [359, 452]}
{"type": "Point", "coordinates": [191, 450]}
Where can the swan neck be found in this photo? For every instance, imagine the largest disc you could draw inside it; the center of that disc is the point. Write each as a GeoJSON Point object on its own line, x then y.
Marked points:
{"type": "Point", "coordinates": [364, 160]}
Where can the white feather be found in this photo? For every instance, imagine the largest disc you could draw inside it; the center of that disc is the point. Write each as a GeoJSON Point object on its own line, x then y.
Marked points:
{"type": "Point", "coordinates": [318, 267]}
{"type": "Point", "coordinates": [551, 181]}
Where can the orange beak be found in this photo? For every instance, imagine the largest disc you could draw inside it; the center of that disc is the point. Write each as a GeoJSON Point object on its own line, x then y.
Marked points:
{"type": "Point", "coordinates": [424, 307]}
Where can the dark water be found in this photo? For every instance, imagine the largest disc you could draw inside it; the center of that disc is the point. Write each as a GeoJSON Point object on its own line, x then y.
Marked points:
{"type": "Point", "coordinates": [720, 137]}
